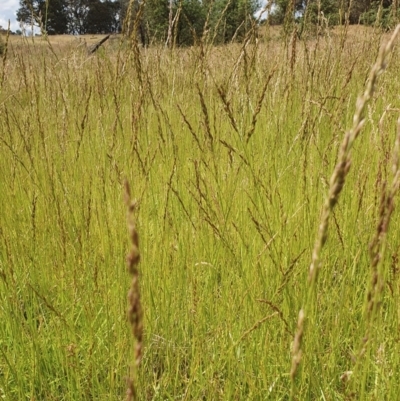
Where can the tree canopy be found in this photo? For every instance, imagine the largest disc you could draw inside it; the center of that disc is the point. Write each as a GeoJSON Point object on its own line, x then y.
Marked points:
{"type": "Point", "coordinates": [185, 20]}
{"type": "Point", "coordinates": [56, 17]}
{"type": "Point", "coordinates": [383, 12]}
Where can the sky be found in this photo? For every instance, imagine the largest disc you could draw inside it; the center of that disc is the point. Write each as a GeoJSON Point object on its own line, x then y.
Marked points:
{"type": "Point", "coordinates": [8, 9]}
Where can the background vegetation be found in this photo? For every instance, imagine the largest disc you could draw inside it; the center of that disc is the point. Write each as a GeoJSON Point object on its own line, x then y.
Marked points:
{"type": "Point", "coordinates": [339, 11]}
{"type": "Point", "coordinates": [184, 21]}
{"type": "Point", "coordinates": [229, 151]}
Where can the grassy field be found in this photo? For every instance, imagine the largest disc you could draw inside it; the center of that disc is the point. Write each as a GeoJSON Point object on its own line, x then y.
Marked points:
{"type": "Point", "coordinates": [230, 153]}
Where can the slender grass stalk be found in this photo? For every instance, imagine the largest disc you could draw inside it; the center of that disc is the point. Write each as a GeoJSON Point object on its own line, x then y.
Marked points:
{"type": "Point", "coordinates": [378, 249]}
{"type": "Point", "coordinates": [336, 184]}
{"type": "Point", "coordinates": [135, 313]}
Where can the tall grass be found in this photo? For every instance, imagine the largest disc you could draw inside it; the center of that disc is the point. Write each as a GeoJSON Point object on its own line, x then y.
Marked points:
{"type": "Point", "coordinates": [229, 152]}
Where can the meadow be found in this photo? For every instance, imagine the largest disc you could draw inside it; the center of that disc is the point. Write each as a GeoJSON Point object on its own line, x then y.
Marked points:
{"type": "Point", "coordinates": [237, 156]}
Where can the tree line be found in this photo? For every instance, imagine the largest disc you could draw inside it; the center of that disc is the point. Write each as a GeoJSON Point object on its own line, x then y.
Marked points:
{"type": "Point", "coordinates": [385, 13]}
{"type": "Point", "coordinates": [184, 22]}
{"type": "Point", "coordinates": [57, 17]}
{"type": "Point", "coordinates": [181, 21]}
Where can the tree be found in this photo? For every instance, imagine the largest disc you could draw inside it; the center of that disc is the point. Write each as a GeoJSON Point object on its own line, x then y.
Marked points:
{"type": "Point", "coordinates": [102, 17]}
{"type": "Point", "coordinates": [356, 9]}
{"type": "Point", "coordinates": [182, 21]}
{"type": "Point", "coordinates": [156, 16]}
{"type": "Point", "coordinates": [51, 16]}
{"type": "Point", "coordinates": [131, 17]}
{"type": "Point", "coordinates": [71, 16]}
{"type": "Point", "coordinates": [336, 11]}
{"type": "Point", "coordinates": [385, 13]}
{"type": "Point", "coordinates": [314, 10]}
{"type": "Point", "coordinates": [174, 21]}
{"type": "Point", "coordinates": [286, 8]}
{"type": "Point", "coordinates": [77, 11]}
{"type": "Point", "coordinates": [190, 25]}
{"type": "Point", "coordinates": [233, 19]}
{"type": "Point", "coordinates": [55, 19]}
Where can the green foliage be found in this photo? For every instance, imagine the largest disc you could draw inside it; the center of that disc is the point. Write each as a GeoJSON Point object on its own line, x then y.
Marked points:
{"type": "Point", "coordinates": [385, 17]}
{"type": "Point", "coordinates": [225, 21]}
{"type": "Point", "coordinates": [286, 8]}
{"type": "Point", "coordinates": [235, 22]}
{"type": "Point", "coordinates": [102, 17]}
{"type": "Point", "coordinates": [334, 11]}
{"type": "Point", "coordinates": [191, 22]}
{"type": "Point", "coordinates": [226, 18]}
{"type": "Point", "coordinates": [156, 20]}
{"type": "Point", "coordinates": [71, 16]}
{"type": "Point", "coordinates": [51, 16]}
{"type": "Point", "coordinates": [54, 16]}
{"type": "Point", "coordinates": [328, 8]}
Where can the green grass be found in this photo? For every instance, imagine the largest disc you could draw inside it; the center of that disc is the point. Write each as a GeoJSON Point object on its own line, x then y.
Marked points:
{"type": "Point", "coordinates": [229, 152]}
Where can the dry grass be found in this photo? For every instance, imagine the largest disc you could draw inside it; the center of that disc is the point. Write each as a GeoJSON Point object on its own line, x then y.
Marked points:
{"type": "Point", "coordinates": [229, 151]}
